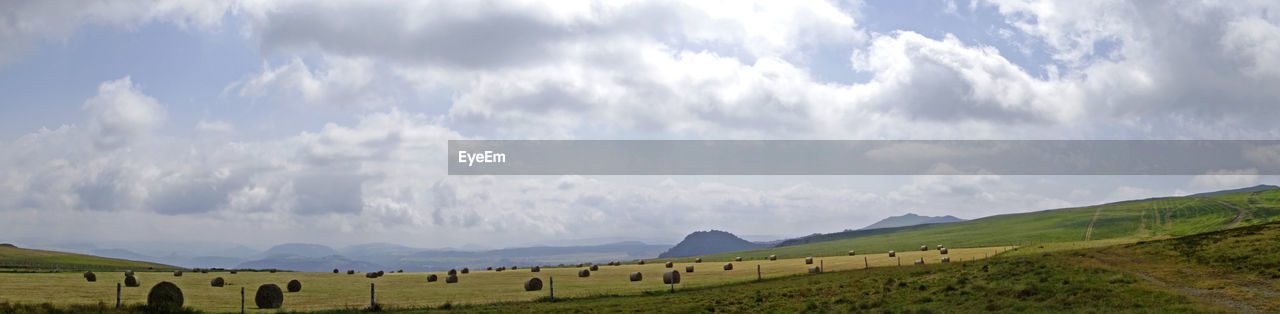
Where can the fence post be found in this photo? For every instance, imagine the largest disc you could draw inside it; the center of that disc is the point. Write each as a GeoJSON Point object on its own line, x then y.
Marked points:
{"type": "Point", "coordinates": [758, 276]}
{"type": "Point", "coordinates": [371, 303]}
{"type": "Point", "coordinates": [899, 260]}
{"type": "Point", "coordinates": [551, 281]}
{"type": "Point", "coordinates": [865, 263]}
{"type": "Point", "coordinates": [821, 266]}
{"type": "Point", "coordinates": [117, 295]}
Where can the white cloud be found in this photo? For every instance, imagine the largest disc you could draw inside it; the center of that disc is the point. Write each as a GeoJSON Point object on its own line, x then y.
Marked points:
{"type": "Point", "coordinates": [120, 113]}
{"type": "Point", "coordinates": [1224, 180]}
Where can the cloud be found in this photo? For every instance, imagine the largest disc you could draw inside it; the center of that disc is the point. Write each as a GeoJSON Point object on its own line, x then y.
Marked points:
{"type": "Point", "coordinates": [1224, 180]}
{"type": "Point", "coordinates": [120, 113]}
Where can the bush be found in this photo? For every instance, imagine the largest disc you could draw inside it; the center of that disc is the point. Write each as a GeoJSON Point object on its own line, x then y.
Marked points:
{"type": "Point", "coordinates": [165, 295]}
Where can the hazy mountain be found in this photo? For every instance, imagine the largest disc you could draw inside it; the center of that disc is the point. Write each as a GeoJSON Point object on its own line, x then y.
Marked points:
{"type": "Point", "coordinates": [528, 256]}
{"type": "Point", "coordinates": [313, 264]}
{"type": "Point", "coordinates": [710, 242]}
{"type": "Point", "coordinates": [123, 254]}
{"type": "Point", "coordinates": [910, 220]}
{"type": "Point", "coordinates": [300, 249]}
{"type": "Point", "coordinates": [1256, 188]}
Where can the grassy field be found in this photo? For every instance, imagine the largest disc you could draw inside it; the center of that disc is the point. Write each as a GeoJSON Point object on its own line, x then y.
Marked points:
{"type": "Point", "coordinates": [1111, 223]}
{"type": "Point", "coordinates": [325, 291]}
{"type": "Point", "coordinates": [14, 259]}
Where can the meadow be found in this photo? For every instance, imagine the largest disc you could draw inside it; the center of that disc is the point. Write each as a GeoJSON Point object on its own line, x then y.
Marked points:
{"type": "Point", "coordinates": [329, 291]}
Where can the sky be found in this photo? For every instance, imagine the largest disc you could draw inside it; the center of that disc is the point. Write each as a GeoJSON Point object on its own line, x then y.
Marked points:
{"type": "Point", "coordinates": [265, 122]}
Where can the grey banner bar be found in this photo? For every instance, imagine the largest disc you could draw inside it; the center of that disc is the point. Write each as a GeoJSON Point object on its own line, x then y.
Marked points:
{"type": "Point", "coordinates": [840, 157]}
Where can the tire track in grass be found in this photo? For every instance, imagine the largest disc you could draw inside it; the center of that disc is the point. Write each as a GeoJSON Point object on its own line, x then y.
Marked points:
{"type": "Point", "coordinates": [1239, 216]}
{"type": "Point", "coordinates": [1089, 232]}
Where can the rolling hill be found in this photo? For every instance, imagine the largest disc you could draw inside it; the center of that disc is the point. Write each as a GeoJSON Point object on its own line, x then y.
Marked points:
{"type": "Point", "coordinates": [1127, 221]}
{"type": "Point", "coordinates": [13, 258]}
{"type": "Point", "coordinates": [710, 242]}
{"type": "Point", "coordinates": [910, 220]}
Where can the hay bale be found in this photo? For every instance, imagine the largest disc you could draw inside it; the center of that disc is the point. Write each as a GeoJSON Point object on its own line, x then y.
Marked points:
{"type": "Point", "coordinates": [773, 257]}
{"type": "Point", "coordinates": [919, 262]}
{"type": "Point", "coordinates": [399, 271]}
{"type": "Point", "coordinates": [502, 268]}
{"type": "Point", "coordinates": [579, 264]}
{"type": "Point", "coordinates": [206, 271]}
{"type": "Point", "coordinates": [808, 260]}
{"type": "Point", "coordinates": [269, 296]}
{"type": "Point", "coordinates": [380, 273]}
{"type": "Point", "coordinates": [177, 273]}
{"type": "Point", "coordinates": [130, 281]}
{"type": "Point", "coordinates": [892, 254]}
{"type": "Point", "coordinates": [728, 266]}
{"type": "Point", "coordinates": [924, 248]}
{"type": "Point", "coordinates": [688, 269]}
{"type": "Point", "coordinates": [533, 284]}
{"type": "Point", "coordinates": [669, 265]}
{"type": "Point", "coordinates": [595, 267]}
{"type": "Point", "coordinates": [851, 253]}
{"type": "Point", "coordinates": [671, 277]}
{"type": "Point", "coordinates": [737, 259]}
{"type": "Point", "coordinates": [535, 269]}
{"type": "Point", "coordinates": [697, 260]}
{"type": "Point", "coordinates": [943, 250]}
{"type": "Point", "coordinates": [946, 259]}
{"type": "Point", "coordinates": [432, 278]}
{"type": "Point", "coordinates": [128, 273]}
{"type": "Point", "coordinates": [636, 276]}
{"type": "Point", "coordinates": [488, 268]}
{"type": "Point", "coordinates": [217, 282]}
{"type": "Point", "coordinates": [584, 273]}
{"type": "Point", "coordinates": [165, 295]}
{"type": "Point", "coordinates": [273, 270]}
{"type": "Point", "coordinates": [939, 247]}
{"type": "Point", "coordinates": [451, 279]}
{"type": "Point", "coordinates": [641, 262]}
{"type": "Point", "coordinates": [351, 272]}
{"type": "Point", "coordinates": [466, 270]}
{"type": "Point", "coordinates": [335, 270]}
{"type": "Point", "coordinates": [233, 271]}
{"type": "Point", "coordinates": [90, 276]}
{"type": "Point", "coordinates": [815, 269]}
{"type": "Point", "coordinates": [294, 286]}
{"type": "Point", "coordinates": [514, 267]}
{"type": "Point", "coordinates": [453, 272]}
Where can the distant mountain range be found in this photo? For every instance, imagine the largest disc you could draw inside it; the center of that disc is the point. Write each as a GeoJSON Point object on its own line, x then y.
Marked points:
{"type": "Point", "coordinates": [1256, 188]}
{"type": "Point", "coordinates": [710, 242]}
{"type": "Point", "coordinates": [910, 220]}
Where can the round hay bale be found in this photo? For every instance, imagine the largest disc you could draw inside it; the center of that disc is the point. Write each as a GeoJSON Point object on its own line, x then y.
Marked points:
{"type": "Point", "coordinates": [924, 248]}
{"type": "Point", "coordinates": [380, 273]}
{"type": "Point", "coordinates": [533, 284]}
{"type": "Point", "coordinates": [130, 281]}
{"type": "Point", "coordinates": [351, 272]}
{"type": "Point", "coordinates": [128, 273]}
{"type": "Point", "coordinates": [217, 282]}
{"type": "Point", "coordinates": [177, 273]}
{"type": "Point", "coordinates": [206, 271]}
{"type": "Point", "coordinates": [808, 260]}
{"type": "Point", "coordinates": [165, 295]}
{"type": "Point", "coordinates": [641, 262]}
{"type": "Point", "coordinates": [939, 247]}
{"type": "Point", "coordinates": [514, 267]}
{"type": "Point", "coordinates": [669, 265]}
{"type": "Point", "coordinates": [671, 277]}
{"type": "Point", "coordinates": [815, 269]}
{"type": "Point", "coordinates": [90, 276]}
{"type": "Point", "coordinates": [432, 278]}
{"type": "Point", "coordinates": [451, 279]}
{"type": "Point", "coordinates": [233, 271]}
{"type": "Point", "coordinates": [919, 262]}
{"type": "Point", "coordinates": [500, 268]}
{"type": "Point", "coordinates": [399, 271]}
{"type": "Point", "coordinates": [269, 296]}
{"type": "Point", "coordinates": [466, 270]}
{"type": "Point", "coordinates": [580, 264]}
{"type": "Point", "coordinates": [535, 269]}
{"type": "Point", "coordinates": [636, 276]}
{"type": "Point", "coordinates": [453, 272]}
{"type": "Point", "coordinates": [335, 270]}
{"type": "Point", "coordinates": [488, 268]}
{"type": "Point", "coordinates": [688, 269]}
{"type": "Point", "coordinates": [892, 254]}
{"type": "Point", "coordinates": [728, 266]}
{"type": "Point", "coordinates": [697, 260]}
{"type": "Point", "coordinates": [943, 250]}
{"type": "Point", "coordinates": [773, 257]}
{"type": "Point", "coordinates": [946, 259]}
{"type": "Point", "coordinates": [737, 259]}
{"type": "Point", "coordinates": [595, 267]}
{"type": "Point", "coordinates": [273, 270]}
{"type": "Point", "coordinates": [584, 273]}
{"type": "Point", "coordinates": [850, 253]}
{"type": "Point", "coordinates": [294, 286]}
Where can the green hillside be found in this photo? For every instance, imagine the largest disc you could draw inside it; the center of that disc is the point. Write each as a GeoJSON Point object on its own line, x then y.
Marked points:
{"type": "Point", "coordinates": [20, 259]}
{"type": "Point", "coordinates": [1130, 221]}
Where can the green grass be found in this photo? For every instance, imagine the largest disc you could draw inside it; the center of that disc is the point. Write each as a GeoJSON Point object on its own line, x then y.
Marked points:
{"type": "Point", "coordinates": [13, 259]}
{"type": "Point", "coordinates": [1124, 221]}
